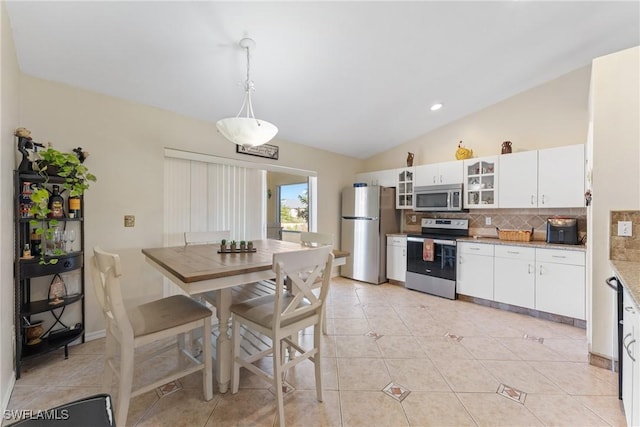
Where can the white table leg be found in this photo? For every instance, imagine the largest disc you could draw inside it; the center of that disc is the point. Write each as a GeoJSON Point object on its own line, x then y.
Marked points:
{"type": "Point", "coordinates": [223, 346]}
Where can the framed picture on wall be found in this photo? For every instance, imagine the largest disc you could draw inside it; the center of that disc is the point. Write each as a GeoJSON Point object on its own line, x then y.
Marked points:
{"type": "Point", "coordinates": [265, 150]}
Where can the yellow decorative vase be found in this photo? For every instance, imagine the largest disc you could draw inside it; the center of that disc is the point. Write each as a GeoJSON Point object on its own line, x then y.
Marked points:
{"type": "Point", "coordinates": [463, 153]}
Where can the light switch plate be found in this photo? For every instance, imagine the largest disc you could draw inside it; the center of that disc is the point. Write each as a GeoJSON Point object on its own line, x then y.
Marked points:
{"type": "Point", "coordinates": [624, 228]}
{"type": "Point", "coordinates": [129, 221]}
{"type": "Point", "coordinates": [487, 220]}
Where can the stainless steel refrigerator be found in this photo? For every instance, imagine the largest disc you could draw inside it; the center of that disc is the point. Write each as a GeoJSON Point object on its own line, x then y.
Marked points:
{"type": "Point", "coordinates": [368, 215]}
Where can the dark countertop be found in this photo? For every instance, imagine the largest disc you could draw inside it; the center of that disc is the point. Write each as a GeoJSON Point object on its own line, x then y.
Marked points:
{"type": "Point", "coordinates": [629, 273]}
{"type": "Point", "coordinates": [531, 244]}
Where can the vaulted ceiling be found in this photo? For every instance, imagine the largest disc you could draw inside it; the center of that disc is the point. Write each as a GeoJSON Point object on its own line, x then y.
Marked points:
{"type": "Point", "coordinates": [352, 77]}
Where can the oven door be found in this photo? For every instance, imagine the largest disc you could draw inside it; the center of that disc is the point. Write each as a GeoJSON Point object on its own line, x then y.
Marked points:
{"type": "Point", "coordinates": [443, 265]}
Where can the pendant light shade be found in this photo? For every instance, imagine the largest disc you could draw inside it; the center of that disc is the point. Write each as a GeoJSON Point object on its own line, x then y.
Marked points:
{"type": "Point", "coordinates": [247, 130]}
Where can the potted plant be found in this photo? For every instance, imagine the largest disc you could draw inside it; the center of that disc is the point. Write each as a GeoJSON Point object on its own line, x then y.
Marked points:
{"type": "Point", "coordinates": [243, 245]}
{"type": "Point", "coordinates": [233, 245]}
{"type": "Point", "coordinates": [250, 245]}
{"type": "Point", "coordinates": [76, 176]}
{"type": "Point", "coordinates": [223, 245]}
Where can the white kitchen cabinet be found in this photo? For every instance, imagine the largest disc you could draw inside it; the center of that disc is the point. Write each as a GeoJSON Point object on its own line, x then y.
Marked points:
{"type": "Point", "coordinates": [475, 270]}
{"type": "Point", "coordinates": [481, 183]}
{"type": "Point", "coordinates": [630, 363]}
{"type": "Point", "coordinates": [397, 258]}
{"type": "Point", "coordinates": [518, 180]}
{"type": "Point", "coordinates": [514, 280]}
{"type": "Point", "coordinates": [561, 177]}
{"type": "Point", "coordinates": [404, 187]}
{"type": "Point", "coordinates": [440, 173]}
{"type": "Point", "coordinates": [560, 282]}
{"type": "Point", "coordinates": [383, 178]}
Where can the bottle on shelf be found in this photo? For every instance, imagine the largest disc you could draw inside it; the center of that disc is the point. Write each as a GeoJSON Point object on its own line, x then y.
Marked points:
{"type": "Point", "coordinates": [36, 243]}
{"type": "Point", "coordinates": [74, 207]}
{"type": "Point", "coordinates": [25, 200]}
{"type": "Point", "coordinates": [56, 203]}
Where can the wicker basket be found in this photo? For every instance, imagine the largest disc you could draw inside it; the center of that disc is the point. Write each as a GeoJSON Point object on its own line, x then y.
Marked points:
{"type": "Point", "coordinates": [515, 235]}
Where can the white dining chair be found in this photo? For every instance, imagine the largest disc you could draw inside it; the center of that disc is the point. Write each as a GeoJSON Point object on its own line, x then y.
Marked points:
{"type": "Point", "coordinates": [240, 292]}
{"type": "Point", "coordinates": [145, 324]}
{"type": "Point", "coordinates": [283, 315]}
{"type": "Point", "coordinates": [315, 239]}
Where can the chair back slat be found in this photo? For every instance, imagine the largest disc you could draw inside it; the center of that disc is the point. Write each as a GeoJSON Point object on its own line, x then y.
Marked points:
{"type": "Point", "coordinates": [302, 268]}
{"type": "Point", "coordinates": [106, 271]}
{"type": "Point", "coordinates": [205, 237]}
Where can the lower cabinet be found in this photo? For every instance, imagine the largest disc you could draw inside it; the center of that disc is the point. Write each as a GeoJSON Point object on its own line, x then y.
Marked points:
{"type": "Point", "coordinates": [560, 282]}
{"type": "Point", "coordinates": [549, 280]}
{"type": "Point", "coordinates": [630, 362]}
{"type": "Point", "coordinates": [515, 280]}
{"type": "Point", "coordinates": [397, 258]}
{"type": "Point", "coordinates": [475, 270]}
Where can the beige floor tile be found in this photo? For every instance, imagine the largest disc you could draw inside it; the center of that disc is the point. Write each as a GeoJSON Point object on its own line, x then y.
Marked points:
{"type": "Point", "coordinates": [358, 326]}
{"type": "Point", "coordinates": [487, 348]}
{"type": "Point", "coordinates": [183, 408]}
{"type": "Point", "coordinates": [362, 374]}
{"type": "Point", "coordinates": [579, 378]}
{"type": "Point", "coordinates": [444, 348]}
{"type": "Point", "coordinates": [388, 324]}
{"type": "Point", "coordinates": [303, 409]}
{"type": "Point", "coordinates": [467, 375]}
{"type": "Point", "coordinates": [530, 350]}
{"type": "Point", "coordinates": [367, 408]}
{"type": "Point", "coordinates": [436, 409]}
{"type": "Point", "coordinates": [491, 409]}
{"type": "Point", "coordinates": [571, 349]}
{"type": "Point", "coordinates": [416, 374]}
{"type": "Point", "coordinates": [346, 311]}
{"type": "Point", "coordinates": [521, 376]}
{"type": "Point", "coordinates": [609, 408]}
{"type": "Point", "coordinates": [356, 346]}
{"type": "Point", "coordinates": [398, 346]}
{"type": "Point", "coordinates": [303, 377]}
{"type": "Point", "coordinates": [247, 408]}
{"type": "Point", "coordinates": [561, 410]}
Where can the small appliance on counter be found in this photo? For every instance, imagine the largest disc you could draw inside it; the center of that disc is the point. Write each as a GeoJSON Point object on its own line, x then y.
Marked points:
{"type": "Point", "coordinates": [562, 230]}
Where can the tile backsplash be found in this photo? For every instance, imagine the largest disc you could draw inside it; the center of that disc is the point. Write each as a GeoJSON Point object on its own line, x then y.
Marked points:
{"type": "Point", "coordinates": [623, 248]}
{"type": "Point", "coordinates": [508, 219]}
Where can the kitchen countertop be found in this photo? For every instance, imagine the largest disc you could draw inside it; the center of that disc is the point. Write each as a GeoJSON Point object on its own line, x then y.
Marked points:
{"type": "Point", "coordinates": [532, 244]}
{"type": "Point", "coordinates": [396, 234]}
{"type": "Point", "coordinates": [629, 273]}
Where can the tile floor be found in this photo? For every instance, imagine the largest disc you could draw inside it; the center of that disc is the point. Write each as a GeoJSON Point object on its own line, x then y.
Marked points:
{"type": "Point", "coordinates": [393, 357]}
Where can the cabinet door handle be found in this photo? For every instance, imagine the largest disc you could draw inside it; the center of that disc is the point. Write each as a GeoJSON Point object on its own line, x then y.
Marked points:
{"type": "Point", "coordinates": [543, 199]}
{"type": "Point", "coordinates": [540, 270]}
{"type": "Point", "coordinates": [628, 350]}
{"type": "Point", "coordinates": [532, 201]}
{"type": "Point", "coordinates": [474, 249]}
{"type": "Point", "coordinates": [559, 256]}
{"type": "Point", "coordinates": [460, 260]}
{"type": "Point", "coordinates": [440, 179]}
{"type": "Point", "coordinates": [434, 179]}
{"type": "Point", "coordinates": [529, 268]}
{"type": "Point", "coordinates": [629, 309]}
{"type": "Point", "coordinates": [513, 252]}
{"type": "Point", "coordinates": [404, 252]}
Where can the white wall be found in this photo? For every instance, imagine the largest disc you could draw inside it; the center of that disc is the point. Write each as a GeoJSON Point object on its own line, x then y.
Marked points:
{"type": "Point", "coordinates": [126, 142]}
{"type": "Point", "coordinates": [9, 82]}
{"type": "Point", "coordinates": [615, 162]}
{"type": "Point", "coordinates": [550, 115]}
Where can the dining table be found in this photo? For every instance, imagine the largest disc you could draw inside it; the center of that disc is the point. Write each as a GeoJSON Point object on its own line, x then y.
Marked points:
{"type": "Point", "coordinates": [203, 268]}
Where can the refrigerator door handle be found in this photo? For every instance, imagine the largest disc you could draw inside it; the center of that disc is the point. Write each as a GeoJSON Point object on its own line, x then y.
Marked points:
{"type": "Point", "coordinates": [367, 218]}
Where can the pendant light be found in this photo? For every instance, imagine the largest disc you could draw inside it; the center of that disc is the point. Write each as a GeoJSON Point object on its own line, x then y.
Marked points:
{"type": "Point", "coordinates": [247, 130]}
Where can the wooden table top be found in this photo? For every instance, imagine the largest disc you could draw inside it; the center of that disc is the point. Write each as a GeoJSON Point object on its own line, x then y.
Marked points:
{"type": "Point", "coordinates": [203, 262]}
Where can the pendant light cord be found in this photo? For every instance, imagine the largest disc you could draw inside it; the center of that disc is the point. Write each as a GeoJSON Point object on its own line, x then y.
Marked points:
{"type": "Point", "coordinates": [248, 87]}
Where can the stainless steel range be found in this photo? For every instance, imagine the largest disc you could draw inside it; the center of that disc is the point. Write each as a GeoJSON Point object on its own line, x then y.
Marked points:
{"type": "Point", "coordinates": [431, 256]}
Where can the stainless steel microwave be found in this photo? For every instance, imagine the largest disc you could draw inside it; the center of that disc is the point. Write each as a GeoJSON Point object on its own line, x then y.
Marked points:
{"type": "Point", "coordinates": [436, 198]}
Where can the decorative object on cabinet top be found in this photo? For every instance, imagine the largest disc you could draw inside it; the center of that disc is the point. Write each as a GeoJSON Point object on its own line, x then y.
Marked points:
{"type": "Point", "coordinates": [409, 159]}
{"type": "Point", "coordinates": [506, 147]}
{"type": "Point", "coordinates": [463, 153]}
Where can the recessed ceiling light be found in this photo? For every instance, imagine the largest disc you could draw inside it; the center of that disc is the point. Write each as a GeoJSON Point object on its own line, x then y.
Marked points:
{"type": "Point", "coordinates": [436, 107]}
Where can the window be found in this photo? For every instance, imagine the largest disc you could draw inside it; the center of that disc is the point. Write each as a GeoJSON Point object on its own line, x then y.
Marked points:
{"type": "Point", "coordinates": [294, 206]}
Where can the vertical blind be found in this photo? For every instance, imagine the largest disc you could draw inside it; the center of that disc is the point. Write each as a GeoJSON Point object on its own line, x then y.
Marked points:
{"type": "Point", "coordinates": [201, 196]}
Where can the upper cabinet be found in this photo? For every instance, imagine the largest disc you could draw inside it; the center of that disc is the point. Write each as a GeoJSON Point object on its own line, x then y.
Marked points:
{"type": "Point", "coordinates": [404, 188]}
{"type": "Point", "coordinates": [561, 177]}
{"type": "Point", "coordinates": [384, 178]}
{"type": "Point", "coordinates": [481, 182]}
{"type": "Point", "coordinates": [519, 180]}
{"type": "Point", "coordinates": [549, 178]}
{"type": "Point", "coordinates": [440, 173]}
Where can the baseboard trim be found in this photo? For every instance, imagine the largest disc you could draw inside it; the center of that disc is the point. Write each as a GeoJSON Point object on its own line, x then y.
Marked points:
{"type": "Point", "coordinates": [603, 362]}
{"type": "Point", "coordinates": [522, 310]}
{"type": "Point", "coordinates": [90, 336]}
{"type": "Point", "coordinates": [6, 393]}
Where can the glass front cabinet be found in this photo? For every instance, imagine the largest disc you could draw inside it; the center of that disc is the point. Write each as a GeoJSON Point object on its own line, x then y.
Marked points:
{"type": "Point", "coordinates": [481, 183]}
{"type": "Point", "coordinates": [404, 188]}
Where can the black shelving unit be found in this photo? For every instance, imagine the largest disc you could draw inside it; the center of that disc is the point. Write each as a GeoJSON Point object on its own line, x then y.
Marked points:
{"type": "Point", "coordinates": [31, 278]}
